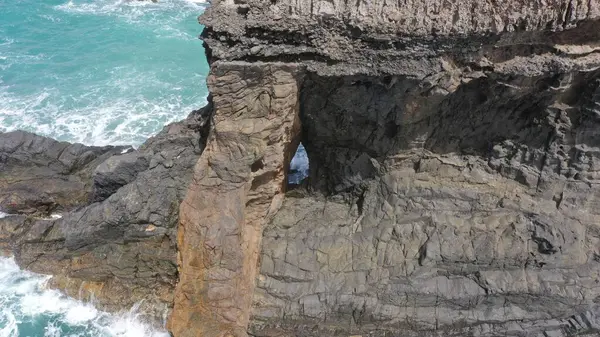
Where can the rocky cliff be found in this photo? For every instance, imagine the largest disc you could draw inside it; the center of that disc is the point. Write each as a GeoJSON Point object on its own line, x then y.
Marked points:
{"type": "Point", "coordinates": [454, 154]}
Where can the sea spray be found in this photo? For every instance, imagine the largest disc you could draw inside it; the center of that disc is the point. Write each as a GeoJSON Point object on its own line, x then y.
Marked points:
{"type": "Point", "coordinates": [28, 308]}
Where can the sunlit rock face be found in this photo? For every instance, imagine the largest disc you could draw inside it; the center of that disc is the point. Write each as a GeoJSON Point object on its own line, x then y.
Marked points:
{"type": "Point", "coordinates": [452, 178]}
{"type": "Point", "coordinates": [238, 185]}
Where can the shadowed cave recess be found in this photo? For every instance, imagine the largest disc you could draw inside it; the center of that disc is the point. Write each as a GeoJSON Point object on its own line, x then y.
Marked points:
{"type": "Point", "coordinates": [452, 187]}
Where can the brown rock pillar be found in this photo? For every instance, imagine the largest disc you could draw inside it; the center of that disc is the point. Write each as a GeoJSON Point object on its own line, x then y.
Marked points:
{"type": "Point", "coordinates": [238, 184]}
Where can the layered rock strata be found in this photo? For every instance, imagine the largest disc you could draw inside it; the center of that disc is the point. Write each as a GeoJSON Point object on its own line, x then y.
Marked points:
{"type": "Point", "coordinates": [453, 155]}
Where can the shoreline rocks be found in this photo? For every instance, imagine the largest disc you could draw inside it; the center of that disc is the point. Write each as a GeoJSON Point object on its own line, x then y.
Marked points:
{"type": "Point", "coordinates": [118, 243]}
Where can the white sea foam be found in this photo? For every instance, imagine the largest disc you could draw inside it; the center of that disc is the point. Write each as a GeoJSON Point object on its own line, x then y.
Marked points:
{"type": "Point", "coordinates": [5, 41]}
{"type": "Point", "coordinates": [24, 298]}
{"type": "Point", "coordinates": [9, 324]}
{"type": "Point", "coordinates": [147, 13]}
{"type": "Point", "coordinates": [52, 331]}
{"type": "Point", "coordinates": [142, 12]}
{"type": "Point", "coordinates": [50, 18]}
{"type": "Point", "coordinates": [131, 10]}
{"type": "Point", "coordinates": [107, 120]}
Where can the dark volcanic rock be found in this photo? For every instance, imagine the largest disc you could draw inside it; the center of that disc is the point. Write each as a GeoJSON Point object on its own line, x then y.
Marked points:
{"type": "Point", "coordinates": [453, 151]}
{"type": "Point", "coordinates": [41, 175]}
{"type": "Point", "coordinates": [120, 248]}
{"type": "Point", "coordinates": [116, 172]}
{"type": "Point", "coordinates": [453, 190]}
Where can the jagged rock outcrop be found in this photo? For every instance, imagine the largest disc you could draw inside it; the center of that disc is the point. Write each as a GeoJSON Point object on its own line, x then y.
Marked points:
{"type": "Point", "coordinates": [41, 175]}
{"type": "Point", "coordinates": [238, 185]}
{"type": "Point", "coordinates": [116, 240]}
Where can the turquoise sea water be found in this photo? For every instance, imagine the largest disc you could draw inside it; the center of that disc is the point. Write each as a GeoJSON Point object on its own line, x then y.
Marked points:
{"type": "Point", "coordinates": [29, 309]}
{"type": "Point", "coordinates": [99, 71]}
{"type": "Point", "coordinates": [96, 72]}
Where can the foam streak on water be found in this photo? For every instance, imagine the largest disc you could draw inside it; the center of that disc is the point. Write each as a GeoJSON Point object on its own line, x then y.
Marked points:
{"type": "Point", "coordinates": [99, 71]}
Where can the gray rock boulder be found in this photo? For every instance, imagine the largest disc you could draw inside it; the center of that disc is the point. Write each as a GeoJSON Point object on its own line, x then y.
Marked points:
{"type": "Point", "coordinates": [40, 175]}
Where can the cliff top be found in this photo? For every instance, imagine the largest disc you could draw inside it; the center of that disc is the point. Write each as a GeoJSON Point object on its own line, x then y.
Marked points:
{"type": "Point", "coordinates": [403, 37]}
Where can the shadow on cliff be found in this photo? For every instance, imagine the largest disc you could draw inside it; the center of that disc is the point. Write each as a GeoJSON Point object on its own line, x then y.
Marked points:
{"type": "Point", "coordinates": [353, 125]}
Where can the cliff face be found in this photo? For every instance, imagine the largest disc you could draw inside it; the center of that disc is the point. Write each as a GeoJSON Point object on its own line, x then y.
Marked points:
{"type": "Point", "coordinates": [454, 162]}
{"type": "Point", "coordinates": [454, 154]}
{"type": "Point", "coordinates": [237, 186]}
{"type": "Point", "coordinates": [406, 37]}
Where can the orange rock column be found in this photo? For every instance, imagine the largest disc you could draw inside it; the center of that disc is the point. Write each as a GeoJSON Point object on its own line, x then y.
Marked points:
{"type": "Point", "coordinates": [238, 184]}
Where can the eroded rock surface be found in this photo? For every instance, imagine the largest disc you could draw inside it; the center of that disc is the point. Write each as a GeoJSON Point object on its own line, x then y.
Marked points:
{"type": "Point", "coordinates": [453, 151]}
{"type": "Point", "coordinates": [116, 240]}
{"type": "Point", "coordinates": [453, 189]}
{"type": "Point", "coordinates": [406, 37]}
{"type": "Point", "coordinates": [40, 175]}
{"type": "Point", "coordinates": [238, 185]}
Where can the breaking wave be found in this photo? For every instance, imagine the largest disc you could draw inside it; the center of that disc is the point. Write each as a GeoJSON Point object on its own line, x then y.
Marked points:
{"type": "Point", "coordinates": [28, 308]}
{"type": "Point", "coordinates": [99, 71]}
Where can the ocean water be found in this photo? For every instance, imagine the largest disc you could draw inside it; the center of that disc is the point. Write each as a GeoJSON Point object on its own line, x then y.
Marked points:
{"type": "Point", "coordinates": [299, 166]}
{"type": "Point", "coordinates": [28, 308]}
{"type": "Point", "coordinates": [99, 71]}
{"type": "Point", "coordinates": [96, 72]}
